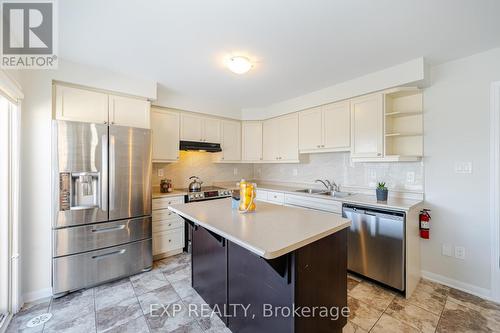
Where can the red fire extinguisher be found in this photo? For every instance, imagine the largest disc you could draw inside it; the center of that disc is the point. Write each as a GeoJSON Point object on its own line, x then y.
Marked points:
{"type": "Point", "coordinates": [425, 219]}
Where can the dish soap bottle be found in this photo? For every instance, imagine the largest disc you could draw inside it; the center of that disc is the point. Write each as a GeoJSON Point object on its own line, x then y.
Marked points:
{"type": "Point", "coordinates": [247, 196]}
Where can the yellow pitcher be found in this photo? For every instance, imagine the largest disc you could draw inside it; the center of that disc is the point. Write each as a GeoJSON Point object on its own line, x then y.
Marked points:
{"type": "Point", "coordinates": [247, 196]}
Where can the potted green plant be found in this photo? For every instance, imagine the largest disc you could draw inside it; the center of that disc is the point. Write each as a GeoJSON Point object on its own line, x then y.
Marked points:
{"type": "Point", "coordinates": [382, 192]}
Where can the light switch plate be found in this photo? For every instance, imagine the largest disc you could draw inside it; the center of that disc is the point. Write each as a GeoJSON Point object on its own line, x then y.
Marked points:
{"type": "Point", "coordinates": [161, 172]}
{"type": "Point", "coordinates": [460, 252]}
{"type": "Point", "coordinates": [446, 250]}
{"type": "Point", "coordinates": [410, 177]}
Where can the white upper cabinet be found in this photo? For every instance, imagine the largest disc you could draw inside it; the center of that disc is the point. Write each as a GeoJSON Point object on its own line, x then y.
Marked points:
{"type": "Point", "coordinates": [281, 139]}
{"type": "Point", "coordinates": [191, 127]}
{"type": "Point", "coordinates": [75, 104]}
{"type": "Point", "coordinates": [310, 129]}
{"type": "Point", "coordinates": [131, 112]}
{"type": "Point", "coordinates": [165, 135]}
{"type": "Point", "coordinates": [201, 129]}
{"type": "Point", "coordinates": [325, 128]}
{"type": "Point", "coordinates": [211, 130]}
{"type": "Point", "coordinates": [271, 140]}
{"type": "Point", "coordinates": [288, 127]}
{"type": "Point", "coordinates": [367, 129]}
{"type": "Point", "coordinates": [337, 126]}
{"type": "Point", "coordinates": [231, 141]}
{"type": "Point", "coordinates": [251, 141]}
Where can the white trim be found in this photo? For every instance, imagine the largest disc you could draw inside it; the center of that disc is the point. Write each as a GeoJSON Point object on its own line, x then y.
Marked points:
{"type": "Point", "coordinates": [10, 88]}
{"type": "Point", "coordinates": [36, 295]}
{"type": "Point", "coordinates": [6, 323]}
{"type": "Point", "coordinates": [466, 287]}
{"type": "Point", "coordinates": [495, 190]}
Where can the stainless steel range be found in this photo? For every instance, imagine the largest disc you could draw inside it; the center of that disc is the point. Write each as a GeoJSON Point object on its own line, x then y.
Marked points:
{"type": "Point", "coordinates": [208, 193]}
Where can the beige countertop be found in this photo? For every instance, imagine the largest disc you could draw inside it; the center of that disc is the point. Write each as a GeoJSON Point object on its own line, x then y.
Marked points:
{"type": "Point", "coordinates": [394, 203]}
{"type": "Point", "coordinates": [174, 193]}
{"type": "Point", "coordinates": [269, 232]}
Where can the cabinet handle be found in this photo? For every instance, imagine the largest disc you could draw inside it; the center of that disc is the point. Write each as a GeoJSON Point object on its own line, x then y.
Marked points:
{"type": "Point", "coordinates": [105, 122]}
{"type": "Point", "coordinates": [170, 224]}
{"type": "Point", "coordinates": [169, 240]}
{"type": "Point", "coordinates": [379, 154]}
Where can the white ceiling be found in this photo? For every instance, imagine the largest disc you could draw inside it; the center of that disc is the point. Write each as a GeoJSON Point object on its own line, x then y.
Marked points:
{"type": "Point", "coordinates": [299, 45]}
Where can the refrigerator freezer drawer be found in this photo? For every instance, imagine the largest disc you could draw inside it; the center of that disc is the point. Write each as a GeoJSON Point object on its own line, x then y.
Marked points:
{"type": "Point", "coordinates": [88, 269]}
{"type": "Point", "coordinates": [97, 236]}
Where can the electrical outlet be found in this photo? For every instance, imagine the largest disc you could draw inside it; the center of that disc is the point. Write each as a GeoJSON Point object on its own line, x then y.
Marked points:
{"type": "Point", "coordinates": [463, 167]}
{"type": "Point", "coordinates": [446, 250]}
{"type": "Point", "coordinates": [235, 171]}
{"type": "Point", "coordinates": [460, 252]}
{"type": "Point", "coordinates": [295, 172]}
{"type": "Point", "coordinates": [161, 173]}
{"type": "Point", "coordinates": [410, 177]}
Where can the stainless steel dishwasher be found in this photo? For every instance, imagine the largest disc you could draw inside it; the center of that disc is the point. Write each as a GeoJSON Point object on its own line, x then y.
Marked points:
{"type": "Point", "coordinates": [376, 244]}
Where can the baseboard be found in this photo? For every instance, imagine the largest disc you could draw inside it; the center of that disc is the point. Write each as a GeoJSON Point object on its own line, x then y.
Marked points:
{"type": "Point", "coordinates": [36, 295]}
{"type": "Point", "coordinates": [468, 288]}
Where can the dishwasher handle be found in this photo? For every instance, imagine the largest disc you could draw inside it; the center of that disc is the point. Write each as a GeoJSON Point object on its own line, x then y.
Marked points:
{"type": "Point", "coordinates": [381, 213]}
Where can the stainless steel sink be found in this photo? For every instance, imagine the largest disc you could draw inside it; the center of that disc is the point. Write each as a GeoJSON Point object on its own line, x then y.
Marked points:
{"type": "Point", "coordinates": [312, 191]}
{"type": "Point", "coordinates": [336, 194]}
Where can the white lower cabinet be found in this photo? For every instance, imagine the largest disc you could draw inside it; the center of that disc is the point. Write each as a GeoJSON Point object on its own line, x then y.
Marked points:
{"type": "Point", "coordinates": [168, 228]}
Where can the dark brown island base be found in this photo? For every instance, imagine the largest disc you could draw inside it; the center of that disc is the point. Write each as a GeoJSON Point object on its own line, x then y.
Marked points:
{"type": "Point", "coordinates": [291, 278]}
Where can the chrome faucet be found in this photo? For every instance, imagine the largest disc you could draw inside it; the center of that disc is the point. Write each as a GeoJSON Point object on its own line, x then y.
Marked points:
{"type": "Point", "coordinates": [330, 186]}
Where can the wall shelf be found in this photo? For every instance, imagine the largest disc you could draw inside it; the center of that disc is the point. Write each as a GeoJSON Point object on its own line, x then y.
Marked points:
{"type": "Point", "coordinates": [403, 114]}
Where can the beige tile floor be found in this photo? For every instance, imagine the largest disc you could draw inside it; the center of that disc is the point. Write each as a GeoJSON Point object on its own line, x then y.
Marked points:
{"type": "Point", "coordinates": [432, 308]}
{"type": "Point", "coordinates": [123, 306]}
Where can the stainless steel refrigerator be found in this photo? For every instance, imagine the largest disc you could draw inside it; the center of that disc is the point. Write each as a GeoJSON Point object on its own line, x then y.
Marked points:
{"type": "Point", "coordinates": [102, 204]}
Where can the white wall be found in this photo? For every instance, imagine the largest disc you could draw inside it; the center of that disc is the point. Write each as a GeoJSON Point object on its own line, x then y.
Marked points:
{"type": "Point", "coordinates": [411, 72]}
{"type": "Point", "coordinates": [36, 161]}
{"type": "Point", "coordinates": [456, 125]}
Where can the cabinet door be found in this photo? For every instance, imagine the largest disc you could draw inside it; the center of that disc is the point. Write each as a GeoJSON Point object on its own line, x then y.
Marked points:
{"type": "Point", "coordinates": [165, 134]}
{"type": "Point", "coordinates": [191, 128]}
{"type": "Point", "coordinates": [231, 140]}
{"type": "Point", "coordinates": [310, 129]}
{"type": "Point", "coordinates": [211, 130]}
{"type": "Point", "coordinates": [130, 112]}
{"type": "Point", "coordinates": [75, 104]}
{"type": "Point", "coordinates": [287, 138]}
{"type": "Point", "coordinates": [337, 126]}
{"type": "Point", "coordinates": [271, 140]}
{"type": "Point", "coordinates": [252, 141]}
{"type": "Point", "coordinates": [367, 127]}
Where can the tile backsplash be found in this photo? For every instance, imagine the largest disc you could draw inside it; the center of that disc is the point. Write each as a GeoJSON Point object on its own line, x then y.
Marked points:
{"type": "Point", "coordinates": [403, 176]}
{"type": "Point", "coordinates": [199, 164]}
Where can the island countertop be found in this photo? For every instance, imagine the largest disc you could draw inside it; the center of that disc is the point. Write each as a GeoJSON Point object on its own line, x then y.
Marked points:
{"type": "Point", "coordinates": [270, 232]}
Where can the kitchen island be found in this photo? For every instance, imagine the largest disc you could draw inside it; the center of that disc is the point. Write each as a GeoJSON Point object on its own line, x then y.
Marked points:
{"type": "Point", "coordinates": [279, 269]}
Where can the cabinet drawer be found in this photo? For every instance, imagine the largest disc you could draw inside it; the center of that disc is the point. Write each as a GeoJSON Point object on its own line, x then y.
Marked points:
{"type": "Point", "coordinates": [164, 225]}
{"type": "Point", "coordinates": [276, 197]}
{"type": "Point", "coordinates": [95, 236]}
{"type": "Point", "coordinates": [162, 203]}
{"type": "Point", "coordinates": [164, 214]}
{"type": "Point", "coordinates": [169, 240]}
{"type": "Point", "coordinates": [90, 268]}
{"type": "Point", "coordinates": [261, 195]}
{"type": "Point", "coordinates": [314, 203]}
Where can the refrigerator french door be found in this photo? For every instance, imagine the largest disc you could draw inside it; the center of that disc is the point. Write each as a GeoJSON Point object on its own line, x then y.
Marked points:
{"type": "Point", "coordinates": [102, 204]}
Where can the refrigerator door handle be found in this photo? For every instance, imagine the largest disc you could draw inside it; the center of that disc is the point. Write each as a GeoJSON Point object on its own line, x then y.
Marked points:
{"type": "Point", "coordinates": [112, 171]}
{"type": "Point", "coordinates": [104, 181]}
{"type": "Point", "coordinates": [100, 230]}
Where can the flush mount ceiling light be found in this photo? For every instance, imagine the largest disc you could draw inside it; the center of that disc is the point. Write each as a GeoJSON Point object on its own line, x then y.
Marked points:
{"type": "Point", "coordinates": [239, 64]}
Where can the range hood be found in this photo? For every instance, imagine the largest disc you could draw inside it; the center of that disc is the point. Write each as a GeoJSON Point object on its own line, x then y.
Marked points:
{"type": "Point", "coordinates": [200, 146]}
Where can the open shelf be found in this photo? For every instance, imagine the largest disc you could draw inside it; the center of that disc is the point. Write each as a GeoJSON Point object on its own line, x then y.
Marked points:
{"type": "Point", "coordinates": [403, 114]}
{"type": "Point", "coordinates": [403, 125]}
{"type": "Point", "coordinates": [403, 134]}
